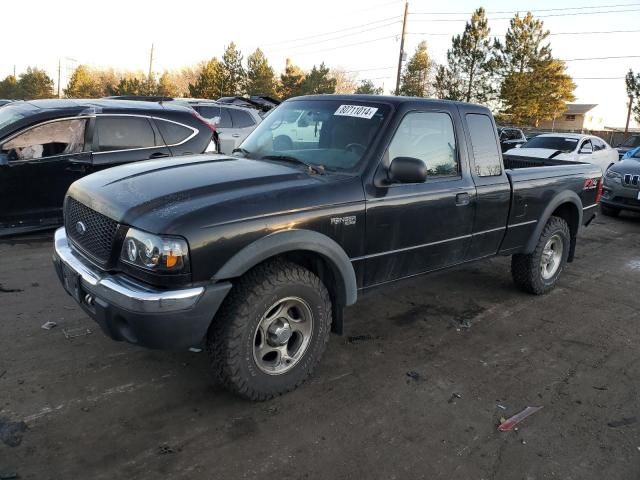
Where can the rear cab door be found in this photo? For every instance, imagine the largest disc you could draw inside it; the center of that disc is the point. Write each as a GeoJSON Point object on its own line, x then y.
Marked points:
{"type": "Point", "coordinates": [124, 138]}
{"type": "Point", "coordinates": [493, 189]}
{"type": "Point", "coordinates": [414, 228]}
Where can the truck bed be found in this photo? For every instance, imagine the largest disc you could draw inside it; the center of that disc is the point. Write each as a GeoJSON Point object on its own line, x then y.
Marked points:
{"type": "Point", "coordinates": [513, 162]}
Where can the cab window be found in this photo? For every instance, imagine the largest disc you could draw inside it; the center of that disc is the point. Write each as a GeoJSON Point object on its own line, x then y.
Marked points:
{"type": "Point", "coordinates": [62, 137]}
{"type": "Point", "coordinates": [485, 148]}
{"type": "Point", "coordinates": [427, 136]}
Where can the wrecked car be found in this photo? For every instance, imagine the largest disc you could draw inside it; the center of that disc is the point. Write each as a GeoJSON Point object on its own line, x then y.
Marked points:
{"type": "Point", "coordinates": [46, 145]}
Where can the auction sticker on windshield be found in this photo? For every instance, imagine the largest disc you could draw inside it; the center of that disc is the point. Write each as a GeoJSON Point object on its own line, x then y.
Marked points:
{"type": "Point", "coordinates": [357, 111]}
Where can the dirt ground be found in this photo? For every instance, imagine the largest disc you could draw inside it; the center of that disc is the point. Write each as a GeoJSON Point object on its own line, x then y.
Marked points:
{"type": "Point", "coordinates": [414, 389]}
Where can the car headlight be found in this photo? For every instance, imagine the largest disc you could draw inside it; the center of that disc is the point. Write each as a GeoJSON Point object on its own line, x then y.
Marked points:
{"type": "Point", "coordinates": [612, 175]}
{"type": "Point", "coordinates": [154, 252]}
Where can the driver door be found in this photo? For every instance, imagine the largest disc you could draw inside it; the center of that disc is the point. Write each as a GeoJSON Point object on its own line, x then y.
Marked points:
{"type": "Point", "coordinates": [43, 161]}
{"type": "Point", "coordinates": [414, 228]}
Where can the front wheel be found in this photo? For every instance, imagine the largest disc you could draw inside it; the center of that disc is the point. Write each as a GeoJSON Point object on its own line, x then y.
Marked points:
{"type": "Point", "coordinates": [271, 332]}
{"type": "Point", "coordinates": [538, 272]}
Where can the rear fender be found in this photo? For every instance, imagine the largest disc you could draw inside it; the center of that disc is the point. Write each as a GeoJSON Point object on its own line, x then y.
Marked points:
{"type": "Point", "coordinates": [564, 198]}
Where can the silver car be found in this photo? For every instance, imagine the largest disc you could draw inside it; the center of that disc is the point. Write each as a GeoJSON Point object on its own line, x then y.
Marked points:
{"type": "Point", "coordinates": [621, 189]}
{"type": "Point", "coordinates": [233, 123]}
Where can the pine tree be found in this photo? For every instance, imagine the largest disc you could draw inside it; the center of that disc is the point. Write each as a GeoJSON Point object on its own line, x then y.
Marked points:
{"type": "Point", "coordinates": [9, 88]}
{"type": "Point", "coordinates": [232, 72]}
{"type": "Point", "coordinates": [318, 81]}
{"type": "Point", "coordinates": [209, 82]}
{"type": "Point", "coordinates": [290, 81]}
{"type": "Point", "coordinates": [35, 83]}
{"type": "Point", "coordinates": [83, 84]}
{"type": "Point", "coordinates": [416, 78]}
{"type": "Point", "coordinates": [632, 82]}
{"type": "Point", "coordinates": [260, 77]}
{"type": "Point", "coordinates": [534, 86]}
{"type": "Point", "coordinates": [368, 88]}
{"type": "Point", "coordinates": [131, 86]}
{"type": "Point", "coordinates": [525, 44]}
{"type": "Point", "coordinates": [469, 71]}
{"type": "Point", "coordinates": [166, 87]}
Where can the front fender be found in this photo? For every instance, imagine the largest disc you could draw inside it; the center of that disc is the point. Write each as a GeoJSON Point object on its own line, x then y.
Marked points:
{"type": "Point", "coordinates": [285, 241]}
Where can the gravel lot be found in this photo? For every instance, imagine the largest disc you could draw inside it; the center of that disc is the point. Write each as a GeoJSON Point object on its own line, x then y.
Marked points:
{"type": "Point", "coordinates": [412, 390]}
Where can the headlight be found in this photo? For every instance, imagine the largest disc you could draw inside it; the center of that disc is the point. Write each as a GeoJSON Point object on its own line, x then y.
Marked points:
{"type": "Point", "coordinates": [611, 174]}
{"type": "Point", "coordinates": [155, 253]}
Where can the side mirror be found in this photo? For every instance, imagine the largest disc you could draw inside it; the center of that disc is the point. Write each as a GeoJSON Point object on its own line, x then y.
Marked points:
{"type": "Point", "coordinates": [586, 149]}
{"type": "Point", "coordinates": [407, 170]}
{"type": "Point", "coordinates": [303, 122]}
{"type": "Point", "coordinates": [4, 159]}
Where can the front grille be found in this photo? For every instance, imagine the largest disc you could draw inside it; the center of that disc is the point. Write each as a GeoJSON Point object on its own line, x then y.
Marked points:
{"type": "Point", "coordinates": [92, 232]}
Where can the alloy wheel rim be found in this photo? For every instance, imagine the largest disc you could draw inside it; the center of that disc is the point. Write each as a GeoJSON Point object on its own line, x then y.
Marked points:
{"type": "Point", "coordinates": [282, 335]}
{"type": "Point", "coordinates": [551, 257]}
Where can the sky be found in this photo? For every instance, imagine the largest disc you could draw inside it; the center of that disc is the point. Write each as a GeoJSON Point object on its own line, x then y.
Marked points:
{"type": "Point", "coordinates": [361, 36]}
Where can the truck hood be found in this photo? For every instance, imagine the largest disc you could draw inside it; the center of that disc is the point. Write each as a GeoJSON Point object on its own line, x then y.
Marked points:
{"type": "Point", "coordinates": [538, 153]}
{"type": "Point", "coordinates": [153, 195]}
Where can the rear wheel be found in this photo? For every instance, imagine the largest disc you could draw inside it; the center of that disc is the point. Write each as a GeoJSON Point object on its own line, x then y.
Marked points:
{"type": "Point", "coordinates": [538, 272]}
{"type": "Point", "coordinates": [609, 211]}
{"type": "Point", "coordinates": [272, 331]}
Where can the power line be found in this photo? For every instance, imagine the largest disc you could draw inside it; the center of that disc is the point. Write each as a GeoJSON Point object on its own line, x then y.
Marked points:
{"type": "Point", "coordinates": [370, 69]}
{"type": "Point", "coordinates": [290, 47]}
{"type": "Point", "coordinates": [396, 17]}
{"type": "Point", "coordinates": [532, 10]}
{"type": "Point", "coordinates": [348, 45]}
{"type": "Point", "coordinates": [550, 34]}
{"type": "Point", "coordinates": [599, 58]}
{"type": "Point", "coordinates": [537, 16]}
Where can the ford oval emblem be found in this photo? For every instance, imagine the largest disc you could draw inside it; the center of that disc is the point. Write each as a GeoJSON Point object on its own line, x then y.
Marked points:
{"type": "Point", "coordinates": [81, 228]}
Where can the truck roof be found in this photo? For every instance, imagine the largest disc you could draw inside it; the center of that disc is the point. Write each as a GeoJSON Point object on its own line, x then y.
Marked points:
{"type": "Point", "coordinates": [388, 99]}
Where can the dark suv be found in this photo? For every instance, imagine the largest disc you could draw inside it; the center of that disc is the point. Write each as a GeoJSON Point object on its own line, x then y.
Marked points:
{"type": "Point", "coordinates": [46, 145]}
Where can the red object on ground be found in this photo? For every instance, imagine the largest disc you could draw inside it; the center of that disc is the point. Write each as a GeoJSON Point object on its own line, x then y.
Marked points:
{"type": "Point", "coordinates": [511, 422]}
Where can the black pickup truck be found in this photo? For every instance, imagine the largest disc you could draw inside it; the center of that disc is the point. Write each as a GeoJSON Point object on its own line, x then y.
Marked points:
{"type": "Point", "coordinates": [256, 254]}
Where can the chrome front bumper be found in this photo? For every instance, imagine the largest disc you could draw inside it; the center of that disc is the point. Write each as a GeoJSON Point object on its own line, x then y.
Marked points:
{"type": "Point", "coordinates": [120, 290]}
{"type": "Point", "coordinates": [134, 312]}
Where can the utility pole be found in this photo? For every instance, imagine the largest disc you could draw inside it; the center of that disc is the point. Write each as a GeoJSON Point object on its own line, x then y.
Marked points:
{"type": "Point", "coordinates": [150, 62]}
{"type": "Point", "coordinates": [626, 127]}
{"type": "Point", "coordinates": [404, 27]}
{"type": "Point", "coordinates": [59, 67]}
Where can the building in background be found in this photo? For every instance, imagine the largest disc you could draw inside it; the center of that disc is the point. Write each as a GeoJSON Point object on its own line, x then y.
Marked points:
{"type": "Point", "coordinates": [579, 117]}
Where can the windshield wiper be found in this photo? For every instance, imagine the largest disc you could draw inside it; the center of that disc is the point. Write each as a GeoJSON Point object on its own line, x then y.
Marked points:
{"type": "Point", "coordinates": [244, 151]}
{"type": "Point", "coordinates": [318, 169]}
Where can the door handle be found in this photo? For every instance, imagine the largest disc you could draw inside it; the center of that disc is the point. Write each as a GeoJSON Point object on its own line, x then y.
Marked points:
{"type": "Point", "coordinates": [463, 199]}
{"type": "Point", "coordinates": [236, 135]}
{"type": "Point", "coordinates": [158, 155]}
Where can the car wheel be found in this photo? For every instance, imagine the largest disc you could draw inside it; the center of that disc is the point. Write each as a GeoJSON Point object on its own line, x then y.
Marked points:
{"type": "Point", "coordinates": [609, 211]}
{"type": "Point", "coordinates": [538, 272]}
{"type": "Point", "coordinates": [271, 332]}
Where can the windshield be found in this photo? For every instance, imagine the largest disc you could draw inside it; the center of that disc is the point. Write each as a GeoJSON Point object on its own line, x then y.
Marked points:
{"type": "Point", "coordinates": [632, 141]}
{"type": "Point", "coordinates": [563, 144]}
{"type": "Point", "coordinates": [13, 113]}
{"type": "Point", "coordinates": [327, 133]}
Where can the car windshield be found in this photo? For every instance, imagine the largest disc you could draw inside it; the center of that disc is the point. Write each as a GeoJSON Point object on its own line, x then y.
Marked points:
{"type": "Point", "coordinates": [12, 113]}
{"type": "Point", "coordinates": [332, 134]}
{"type": "Point", "coordinates": [564, 144]}
{"type": "Point", "coordinates": [633, 141]}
